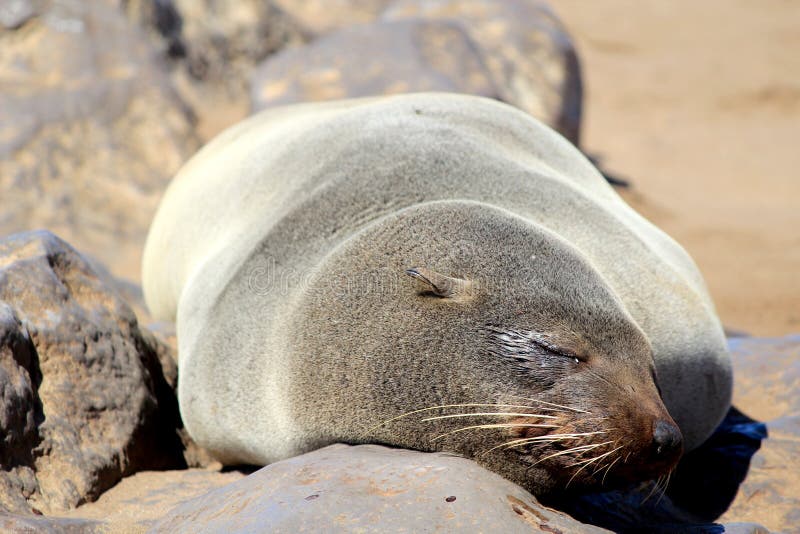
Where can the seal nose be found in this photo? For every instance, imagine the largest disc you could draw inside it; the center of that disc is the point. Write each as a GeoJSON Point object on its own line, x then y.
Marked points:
{"type": "Point", "coordinates": [667, 438]}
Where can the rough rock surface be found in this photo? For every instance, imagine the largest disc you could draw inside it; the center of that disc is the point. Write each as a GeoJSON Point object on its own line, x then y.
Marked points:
{"type": "Point", "coordinates": [369, 488]}
{"type": "Point", "coordinates": [140, 500]}
{"type": "Point", "coordinates": [317, 17]}
{"type": "Point", "coordinates": [767, 381]}
{"type": "Point", "coordinates": [212, 47]}
{"type": "Point", "coordinates": [406, 56]}
{"type": "Point", "coordinates": [83, 398]}
{"type": "Point", "coordinates": [528, 51]}
{"type": "Point", "coordinates": [516, 51]}
{"type": "Point", "coordinates": [91, 130]}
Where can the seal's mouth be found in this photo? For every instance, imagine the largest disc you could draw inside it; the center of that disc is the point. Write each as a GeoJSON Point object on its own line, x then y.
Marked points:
{"type": "Point", "coordinates": [574, 448]}
{"type": "Point", "coordinates": [585, 450]}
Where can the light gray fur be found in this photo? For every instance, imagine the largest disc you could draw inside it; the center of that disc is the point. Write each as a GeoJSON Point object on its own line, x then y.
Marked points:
{"type": "Point", "coordinates": [280, 251]}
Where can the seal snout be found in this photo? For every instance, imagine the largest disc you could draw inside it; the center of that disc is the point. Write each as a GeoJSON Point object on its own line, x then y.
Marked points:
{"type": "Point", "coordinates": [667, 439]}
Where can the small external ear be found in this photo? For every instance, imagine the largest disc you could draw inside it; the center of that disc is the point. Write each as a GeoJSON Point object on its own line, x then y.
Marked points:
{"type": "Point", "coordinates": [439, 284]}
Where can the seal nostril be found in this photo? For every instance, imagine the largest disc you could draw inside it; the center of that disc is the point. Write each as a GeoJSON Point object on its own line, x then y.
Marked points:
{"type": "Point", "coordinates": [666, 437]}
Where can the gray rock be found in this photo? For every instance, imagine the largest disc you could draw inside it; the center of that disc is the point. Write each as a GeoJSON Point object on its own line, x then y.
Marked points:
{"type": "Point", "coordinates": [18, 524]}
{"type": "Point", "coordinates": [84, 398]}
{"type": "Point", "coordinates": [212, 47]}
{"type": "Point", "coordinates": [373, 59]}
{"type": "Point", "coordinates": [218, 40]}
{"type": "Point", "coordinates": [142, 499]}
{"type": "Point", "coordinates": [15, 13]}
{"type": "Point", "coordinates": [369, 488]}
{"type": "Point", "coordinates": [318, 17]}
{"type": "Point", "coordinates": [527, 50]}
{"type": "Point", "coordinates": [91, 131]}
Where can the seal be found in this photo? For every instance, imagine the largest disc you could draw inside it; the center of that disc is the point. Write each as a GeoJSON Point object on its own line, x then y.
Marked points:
{"type": "Point", "coordinates": [436, 272]}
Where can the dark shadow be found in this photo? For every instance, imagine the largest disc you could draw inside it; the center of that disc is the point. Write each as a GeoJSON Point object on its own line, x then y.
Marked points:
{"type": "Point", "coordinates": [708, 478]}
{"type": "Point", "coordinates": [243, 468]}
{"type": "Point", "coordinates": [613, 179]}
{"type": "Point", "coordinates": [701, 488]}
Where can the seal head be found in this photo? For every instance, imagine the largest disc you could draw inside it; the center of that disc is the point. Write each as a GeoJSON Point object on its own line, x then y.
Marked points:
{"type": "Point", "coordinates": [507, 344]}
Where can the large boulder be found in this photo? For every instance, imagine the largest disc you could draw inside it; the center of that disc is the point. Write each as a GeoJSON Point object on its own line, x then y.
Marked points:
{"type": "Point", "coordinates": [516, 51]}
{"type": "Point", "coordinates": [527, 50]}
{"type": "Point", "coordinates": [317, 17]}
{"type": "Point", "coordinates": [369, 488]}
{"type": "Point", "coordinates": [83, 396]}
{"type": "Point", "coordinates": [403, 57]}
{"type": "Point", "coordinates": [91, 129]}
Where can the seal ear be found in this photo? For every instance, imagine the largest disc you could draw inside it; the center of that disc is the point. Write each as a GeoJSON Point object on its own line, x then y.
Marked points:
{"type": "Point", "coordinates": [439, 284]}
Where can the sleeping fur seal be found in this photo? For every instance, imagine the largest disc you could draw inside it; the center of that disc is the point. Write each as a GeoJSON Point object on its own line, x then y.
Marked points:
{"type": "Point", "coordinates": [435, 272]}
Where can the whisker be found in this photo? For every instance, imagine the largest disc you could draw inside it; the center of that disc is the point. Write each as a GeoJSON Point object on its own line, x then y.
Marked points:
{"type": "Point", "coordinates": [582, 448]}
{"type": "Point", "coordinates": [570, 408]}
{"type": "Point", "coordinates": [548, 438]}
{"type": "Point", "coordinates": [608, 470]}
{"type": "Point", "coordinates": [666, 486]}
{"type": "Point", "coordinates": [497, 425]}
{"type": "Point", "coordinates": [653, 489]}
{"type": "Point", "coordinates": [589, 462]}
{"type": "Point", "coordinates": [443, 406]}
{"type": "Point", "coordinates": [486, 414]}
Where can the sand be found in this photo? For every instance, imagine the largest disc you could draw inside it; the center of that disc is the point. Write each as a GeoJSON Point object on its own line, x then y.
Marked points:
{"type": "Point", "coordinates": [698, 105]}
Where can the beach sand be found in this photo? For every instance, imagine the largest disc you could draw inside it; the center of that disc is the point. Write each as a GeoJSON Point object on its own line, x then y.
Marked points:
{"type": "Point", "coordinates": [698, 105]}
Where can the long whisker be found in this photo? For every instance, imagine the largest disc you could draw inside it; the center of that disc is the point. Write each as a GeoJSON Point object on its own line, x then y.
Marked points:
{"type": "Point", "coordinates": [430, 408]}
{"type": "Point", "coordinates": [497, 425]}
{"type": "Point", "coordinates": [581, 448]}
{"type": "Point", "coordinates": [570, 408]}
{"type": "Point", "coordinates": [590, 460]}
{"type": "Point", "coordinates": [495, 414]}
{"type": "Point", "coordinates": [608, 470]}
{"type": "Point", "coordinates": [586, 463]}
{"type": "Point", "coordinates": [548, 438]}
{"type": "Point", "coordinates": [666, 486]}
{"type": "Point", "coordinates": [653, 489]}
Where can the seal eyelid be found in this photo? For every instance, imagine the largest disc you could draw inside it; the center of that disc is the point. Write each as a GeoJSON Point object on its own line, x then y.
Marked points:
{"type": "Point", "coordinates": [549, 347]}
{"type": "Point", "coordinates": [520, 342]}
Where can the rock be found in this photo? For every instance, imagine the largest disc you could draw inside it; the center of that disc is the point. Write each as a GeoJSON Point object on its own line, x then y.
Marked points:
{"type": "Point", "coordinates": [218, 40]}
{"type": "Point", "coordinates": [766, 382]}
{"type": "Point", "coordinates": [84, 398]}
{"type": "Point", "coordinates": [527, 50]}
{"type": "Point", "coordinates": [369, 488]}
{"type": "Point", "coordinates": [212, 47]}
{"type": "Point", "coordinates": [318, 17]}
{"type": "Point", "coordinates": [145, 497]}
{"type": "Point", "coordinates": [403, 57]}
{"type": "Point", "coordinates": [91, 132]}
{"type": "Point", "coordinates": [49, 525]}
{"type": "Point", "coordinates": [15, 13]}
{"type": "Point", "coordinates": [132, 506]}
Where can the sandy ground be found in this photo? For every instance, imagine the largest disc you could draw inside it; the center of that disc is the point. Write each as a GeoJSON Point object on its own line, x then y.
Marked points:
{"type": "Point", "coordinates": [698, 105]}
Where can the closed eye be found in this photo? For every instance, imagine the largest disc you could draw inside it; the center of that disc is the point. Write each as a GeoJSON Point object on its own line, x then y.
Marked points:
{"type": "Point", "coordinates": [526, 345]}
